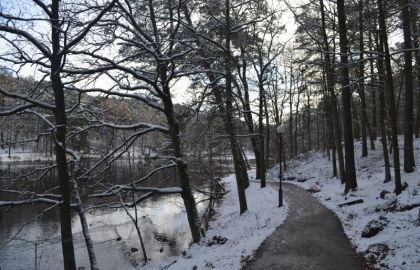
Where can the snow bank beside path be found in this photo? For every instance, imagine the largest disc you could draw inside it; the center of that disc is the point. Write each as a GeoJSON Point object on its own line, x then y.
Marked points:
{"type": "Point", "coordinates": [241, 234]}
{"type": "Point", "coordinates": [397, 246]}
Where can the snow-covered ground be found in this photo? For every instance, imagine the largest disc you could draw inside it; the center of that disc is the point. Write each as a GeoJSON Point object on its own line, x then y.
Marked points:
{"type": "Point", "coordinates": [24, 156]}
{"type": "Point", "coordinates": [398, 245]}
{"type": "Point", "coordinates": [232, 238]}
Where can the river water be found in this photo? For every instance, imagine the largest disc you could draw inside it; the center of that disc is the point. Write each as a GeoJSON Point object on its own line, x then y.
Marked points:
{"type": "Point", "coordinates": [36, 244]}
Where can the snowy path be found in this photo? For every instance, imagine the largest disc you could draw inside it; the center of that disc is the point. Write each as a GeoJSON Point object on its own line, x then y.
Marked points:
{"type": "Point", "coordinates": [311, 238]}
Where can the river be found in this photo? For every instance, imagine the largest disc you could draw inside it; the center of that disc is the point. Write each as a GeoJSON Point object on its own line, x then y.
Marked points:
{"type": "Point", "coordinates": [36, 244]}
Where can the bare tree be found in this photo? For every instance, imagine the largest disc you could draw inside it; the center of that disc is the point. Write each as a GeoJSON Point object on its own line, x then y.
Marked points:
{"type": "Point", "coordinates": [351, 182]}
{"type": "Point", "coordinates": [49, 53]}
{"type": "Point", "coordinates": [409, 162]}
{"type": "Point", "coordinates": [392, 113]}
{"type": "Point", "coordinates": [156, 46]}
{"type": "Point", "coordinates": [266, 50]}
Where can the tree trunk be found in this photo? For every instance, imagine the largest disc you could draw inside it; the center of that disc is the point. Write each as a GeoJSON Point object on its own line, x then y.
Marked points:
{"type": "Point", "coordinates": [277, 116]}
{"type": "Point", "coordinates": [248, 115]}
{"type": "Point", "coordinates": [351, 182]}
{"type": "Point", "coordinates": [333, 99]}
{"type": "Point", "coordinates": [267, 134]}
{"type": "Point", "coordinates": [60, 140]}
{"type": "Point", "coordinates": [85, 229]}
{"type": "Point", "coordinates": [248, 166]}
{"type": "Point", "coordinates": [318, 130]}
{"type": "Point", "coordinates": [175, 136]}
{"type": "Point", "coordinates": [297, 117]}
{"type": "Point", "coordinates": [308, 123]}
{"type": "Point", "coordinates": [417, 57]}
{"type": "Point", "coordinates": [184, 179]}
{"type": "Point", "coordinates": [391, 98]}
{"type": "Point", "coordinates": [409, 163]}
{"type": "Point", "coordinates": [382, 114]}
{"type": "Point", "coordinates": [373, 128]}
{"type": "Point", "coordinates": [361, 88]}
{"type": "Point", "coordinates": [355, 117]}
{"type": "Point", "coordinates": [234, 147]}
{"type": "Point", "coordinates": [331, 141]}
{"type": "Point", "coordinates": [263, 164]}
{"type": "Point", "coordinates": [239, 169]}
{"type": "Point", "coordinates": [291, 151]}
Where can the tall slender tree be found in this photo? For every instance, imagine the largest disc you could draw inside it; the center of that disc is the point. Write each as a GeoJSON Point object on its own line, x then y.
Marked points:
{"type": "Point", "coordinates": [392, 112]}
{"type": "Point", "coordinates": [382, 110]}
{"type": "Point", "coordinates": [351, 182]}
{"type": "Point", "coordinates": [409, 162]}
{"type": "Point", "coordinates": [330, 81]}
{"type": "Point", "coordinates": [228, 103]}
{"type": "Point", "coordinates": [361, 87]}
{"type": "Point", "coordinates": [49, 51]}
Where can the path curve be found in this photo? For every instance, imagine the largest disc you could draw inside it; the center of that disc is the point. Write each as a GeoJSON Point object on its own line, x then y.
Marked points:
{"type": "Point", "coordinates": [311, 238]}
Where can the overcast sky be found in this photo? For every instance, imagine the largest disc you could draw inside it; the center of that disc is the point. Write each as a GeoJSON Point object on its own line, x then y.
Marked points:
{"type": "Point", "coordinates": [180, 95]}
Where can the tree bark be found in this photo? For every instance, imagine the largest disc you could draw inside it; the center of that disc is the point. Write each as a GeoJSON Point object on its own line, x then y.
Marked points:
{"type": "Point", "coordinates": [331, 139]}
{"type": "Point", "coordinates": [382, 113]}
{"type": "Point", "coordinates": [184, 179]}
{"type": "Point", "coordinates": [351, 182]}
{"type": "Point", "coordinates": [248, 115]}
{"type": "Point", "coordinates": [229, 112]}
{"type": "Point", "coordinates": [267, 134]}
{"type": "Point", "coordinates": [60, 140]}
{"type": "Point", "coordinates": [361, 88]}
{"type": "Point", "coordinates": [292, 147]}
{"type": "Point", "coordinates": [391, 98]}
{"type": "Point", "coordinates": [85, 229]}
{"type": "Point", "coordinates": [297, 115]}
{"type": "Point", "coordinates": [175, 136]}
{"type": "Point", "coordinates": [262, 164]}
{"type": "Point", "coordinates": [332, 99]}
{"type": "Point", "coordinates": [409, 163]}
{"type": "Point", "coordinates": [417, 57]}
{"type": "Point", "coordinates": [373, 127]}
{"type": "Point", "coordinates": [308, 122]}
{"type": "Point", "coordinates": [237, 157]}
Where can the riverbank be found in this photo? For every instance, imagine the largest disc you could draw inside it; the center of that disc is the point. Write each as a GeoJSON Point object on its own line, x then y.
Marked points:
{"type": "Point", "coordinates": [28, 157]}
{"type": "Point", "coordinates": [19, 156]}
{"type": "Point", "coordinates": [232, 238]}
{"type": "Point", "coordinates": [24, 157]}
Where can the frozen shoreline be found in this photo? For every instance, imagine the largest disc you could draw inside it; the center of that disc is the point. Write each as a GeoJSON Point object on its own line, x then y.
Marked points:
{"type": "Point", "coordinates": [29, 157]}
{"type": "Point", "coordinates": [232, 238]}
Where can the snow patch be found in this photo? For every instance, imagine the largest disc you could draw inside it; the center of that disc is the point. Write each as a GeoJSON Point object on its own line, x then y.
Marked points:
{"type": "Point", "coordinates": [232, 238]}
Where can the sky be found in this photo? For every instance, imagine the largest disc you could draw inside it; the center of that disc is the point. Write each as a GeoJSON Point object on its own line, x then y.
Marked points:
{"type": "Point", "coordinates": [180, 94]}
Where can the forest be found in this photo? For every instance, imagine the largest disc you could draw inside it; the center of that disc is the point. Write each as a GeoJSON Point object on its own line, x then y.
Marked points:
{"type": "Point", "coordinates": [118, 106]}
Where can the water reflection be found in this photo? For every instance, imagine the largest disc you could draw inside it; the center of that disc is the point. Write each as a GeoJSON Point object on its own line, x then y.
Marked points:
{"type": "Point", "coordinates": [163, 223]}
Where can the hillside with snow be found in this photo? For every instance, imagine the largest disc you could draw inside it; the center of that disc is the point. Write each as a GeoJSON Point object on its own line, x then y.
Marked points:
{"type": "Point", "coordinates": [390, 224]}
